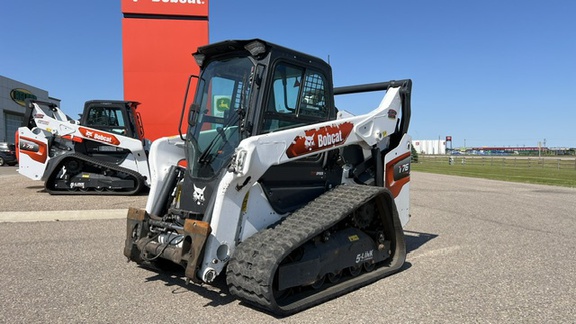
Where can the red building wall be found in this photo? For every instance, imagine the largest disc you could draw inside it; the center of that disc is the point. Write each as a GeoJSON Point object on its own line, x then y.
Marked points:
{"type": "Point", "coordinates": [158, 39]}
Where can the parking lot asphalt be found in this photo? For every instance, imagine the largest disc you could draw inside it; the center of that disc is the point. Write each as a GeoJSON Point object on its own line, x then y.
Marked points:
{"type": "Point", "coordinates": [479, 251]}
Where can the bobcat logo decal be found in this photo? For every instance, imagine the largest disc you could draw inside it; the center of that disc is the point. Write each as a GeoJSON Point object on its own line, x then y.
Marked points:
{"type": "Point", "coordinates": [198, 195]}
{"type": "Point", "coordinates": [319, 139]}
{"type": "Point", "coordinates": [309, 142]}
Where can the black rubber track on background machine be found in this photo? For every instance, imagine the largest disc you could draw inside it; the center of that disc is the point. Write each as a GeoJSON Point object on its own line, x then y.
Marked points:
{"type": "Point", "coordinates": [251, 270]}
{"type": "Point", "coordinates": [48, 185]}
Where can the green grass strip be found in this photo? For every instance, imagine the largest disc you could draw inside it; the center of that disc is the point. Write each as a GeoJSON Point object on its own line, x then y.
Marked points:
{"type": "Point", "coordinates": [539, 171]}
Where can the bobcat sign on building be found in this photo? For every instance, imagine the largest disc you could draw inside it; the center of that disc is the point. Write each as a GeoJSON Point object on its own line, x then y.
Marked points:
{"type": "Point", "coordinates": [158, 39]}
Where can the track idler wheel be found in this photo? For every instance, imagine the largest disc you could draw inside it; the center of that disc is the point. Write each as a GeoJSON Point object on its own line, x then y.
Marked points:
{"type": "Point", "coordinates": [369, 266]}
{"type": "Point", "coordinates": [318, 283]}
{"type": "Point", "coordinates": [335, 277]}
{"type": "Point", "coordinates": [355, 270]}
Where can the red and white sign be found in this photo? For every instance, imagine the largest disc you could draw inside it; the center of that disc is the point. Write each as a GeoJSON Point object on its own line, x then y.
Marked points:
{"type": "Point", "coordinates": [319, 139]}
{"type": "Point", "coordinates": [166, 7]}
{"type": "Point", "coordinates": [158, 38]}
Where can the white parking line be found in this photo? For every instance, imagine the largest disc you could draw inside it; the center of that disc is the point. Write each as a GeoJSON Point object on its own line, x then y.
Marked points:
{"type": "Point", "coordinates": [62, 215]}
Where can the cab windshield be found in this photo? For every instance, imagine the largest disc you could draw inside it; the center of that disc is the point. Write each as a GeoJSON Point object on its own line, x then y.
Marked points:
{"type": "Point", "coordinates": [219, 106]}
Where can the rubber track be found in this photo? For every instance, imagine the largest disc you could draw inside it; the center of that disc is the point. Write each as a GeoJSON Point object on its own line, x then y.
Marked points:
{"type": "Point", "coordinates": [99, 164]}
{"type": "Point", "coordinates": [251, 270]}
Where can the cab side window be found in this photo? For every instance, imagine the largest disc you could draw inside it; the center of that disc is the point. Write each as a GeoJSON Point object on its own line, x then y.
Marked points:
{"type": "Point", "coordinates": [107, 119]}
{"type": "Point", "coordinates": [297, 98]}
{"type": "Point", "coordinates": [314, 97]}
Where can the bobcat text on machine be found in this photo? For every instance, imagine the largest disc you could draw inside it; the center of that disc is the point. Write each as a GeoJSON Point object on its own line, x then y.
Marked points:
{"type": "Point", "coordinates": [274, 188]}
{"type": "Point", "coordinates": [105, 152]}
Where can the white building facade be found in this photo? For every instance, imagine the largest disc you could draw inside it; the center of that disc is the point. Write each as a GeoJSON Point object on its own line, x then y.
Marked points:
{"type": "Point", "coordinates": [429, 146]}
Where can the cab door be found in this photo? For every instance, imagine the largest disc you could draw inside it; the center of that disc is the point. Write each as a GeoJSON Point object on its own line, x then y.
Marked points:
{"type": "Point", "coordinates": [297, 97]}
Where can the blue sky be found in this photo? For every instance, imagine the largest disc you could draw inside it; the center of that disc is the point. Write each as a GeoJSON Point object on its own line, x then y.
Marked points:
{"type": "Point", "coordinates": [487, 73]}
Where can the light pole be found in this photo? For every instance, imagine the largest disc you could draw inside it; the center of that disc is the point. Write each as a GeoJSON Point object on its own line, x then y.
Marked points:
{"type": "Point", "coordinates": [539, 149]}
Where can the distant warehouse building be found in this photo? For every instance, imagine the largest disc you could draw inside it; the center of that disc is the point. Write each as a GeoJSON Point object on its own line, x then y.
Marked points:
{"type": "Point", "coordinates": [12, 105]}
{"type": "Point", "coordinates": [430, 146]}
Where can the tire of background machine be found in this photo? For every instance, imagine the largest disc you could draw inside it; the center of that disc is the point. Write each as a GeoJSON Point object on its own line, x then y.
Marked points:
{"type": "Point", "coordinates": [1, 161]}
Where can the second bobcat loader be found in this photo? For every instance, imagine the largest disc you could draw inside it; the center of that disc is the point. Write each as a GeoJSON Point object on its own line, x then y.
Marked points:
{"type": "Point", "coordinates": [292, 201]}
{"type": "Point", "coordinates": [104, 152]}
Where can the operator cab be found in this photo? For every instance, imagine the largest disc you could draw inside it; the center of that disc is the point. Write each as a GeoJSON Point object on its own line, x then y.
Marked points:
{"type": "Point", "coordinates": [111, 116]}
{"type": "Point", "coordinates": [248, 88]}
{"type": "Point", "coordinates": [119, 117]}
